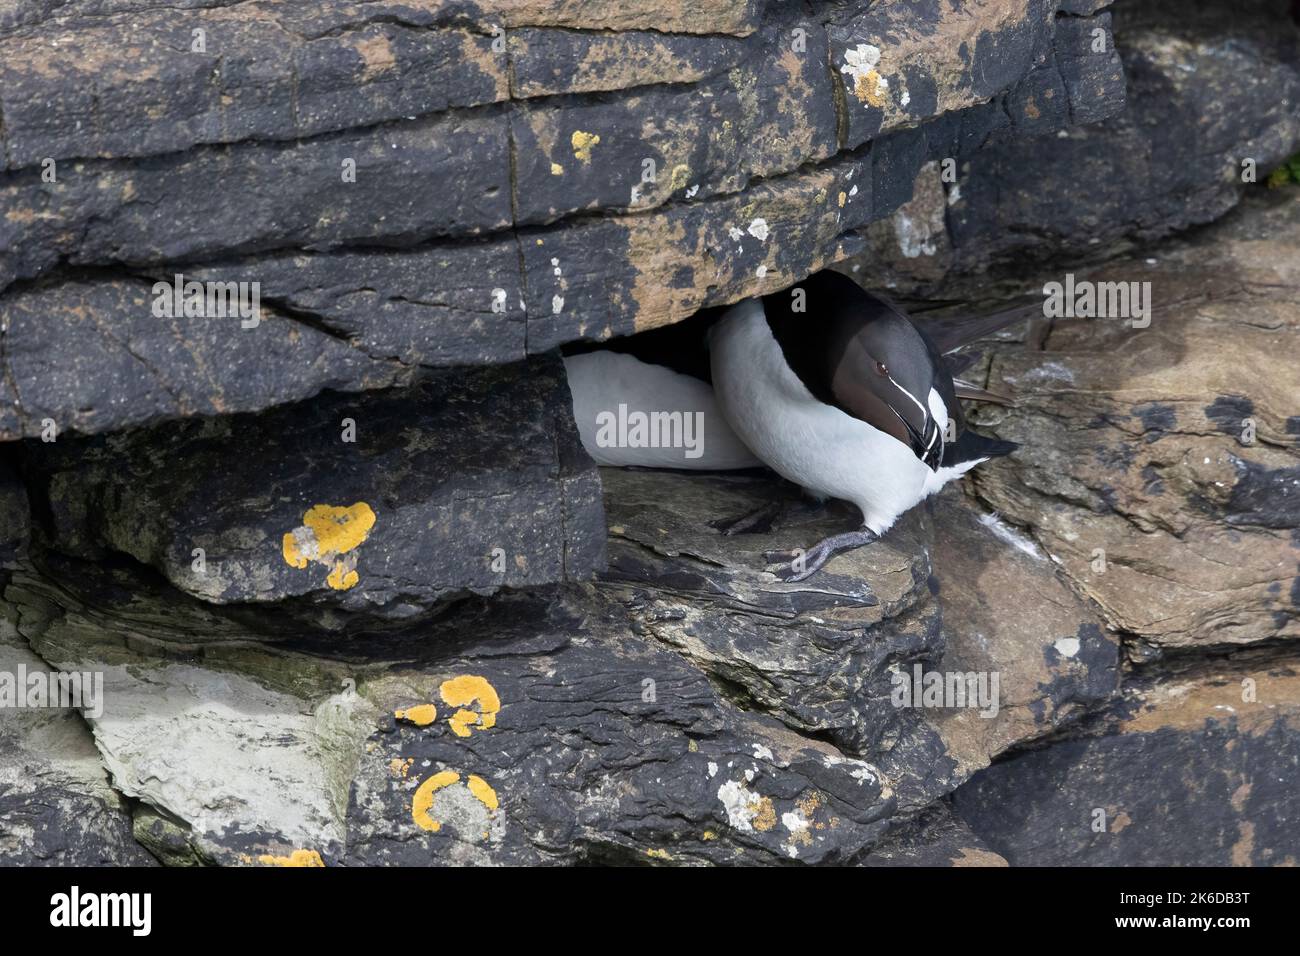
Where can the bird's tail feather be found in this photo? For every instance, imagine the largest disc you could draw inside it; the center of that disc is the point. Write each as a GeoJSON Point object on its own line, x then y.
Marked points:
{"type": "Point", "coordinates": [971, 446]}
{"type": "Point", "coordinates": [954, 332]}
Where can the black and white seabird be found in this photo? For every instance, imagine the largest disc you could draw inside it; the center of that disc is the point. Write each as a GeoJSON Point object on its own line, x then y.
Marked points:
{"type": "Point", "coordinates": [833, 388]}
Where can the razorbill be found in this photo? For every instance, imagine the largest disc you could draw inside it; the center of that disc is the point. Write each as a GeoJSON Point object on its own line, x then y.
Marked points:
{"type": "Point", "coordinates": [831, 387]}
{"type": "Point", "coordinates": [841, 393]}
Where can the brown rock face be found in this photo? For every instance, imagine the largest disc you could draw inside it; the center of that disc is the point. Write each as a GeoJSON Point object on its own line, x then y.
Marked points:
{"type": "Point", "coordinates": [1158, 465]}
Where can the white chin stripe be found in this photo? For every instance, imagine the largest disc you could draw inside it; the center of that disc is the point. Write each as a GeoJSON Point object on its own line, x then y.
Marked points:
{"type": "Point", "coordinates": [925, 415]}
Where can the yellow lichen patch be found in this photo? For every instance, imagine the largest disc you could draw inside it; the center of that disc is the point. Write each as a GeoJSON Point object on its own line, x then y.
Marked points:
{"type": "Point", "coordinates": [342, 577]}
{"type": "Point", "coordinates": [482, 791]}
{"type": "Point", "coordinates": [765, 815]}
{"type": "Point", "coordinates": [399, 767]}
{"type": "Point", "coordinates": [465, 690]}
{"type": "Point", "coordinates": [328, 535]}
{"type": "Point", "coordinates": [658, 854]}
{"type": "Point", "coordinates": [871, 88]}
{"type": "Point", "coordinates": [808, 805]}
{"type": "Point", "coordinates": [422, 715]}
{"type": "Point", "coordinates": [582, 144]}
{"type": "Point", "coordinates": [557, 169]}
{"type": "Point", "coordinates": [842, 198]}
{"type": "Point", "coordinates": [681, 176]}
{"type": "Point", "coordinates": [709, 835]}
{"type": "Point", "coordinates": [422, 801]}
{"type": "Point", "coordinates": [296, 858]}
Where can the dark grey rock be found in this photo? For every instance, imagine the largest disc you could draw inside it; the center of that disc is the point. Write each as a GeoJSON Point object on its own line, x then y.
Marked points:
{"type": "Point", "coordinates": [56, 805]}
{"type": "Point", "coordinates": [442, 304]}
{"type": "Point", "coordinates": [465, 483]}
{"type": "Point", "coordinates": [271, 195]}
{"type": "Point", "coordinates": [1186, 772]}
{"type": "Point", "coordinates": [935, 838]}
{"type": "Point", "coordinates": [550, 62]}
{"type": "Point", "coordinates": [817, 654]}
{"type": "Point", "coordinates": [15, 515]}
{"type": "Point", "coordinates": [1208, 88]}
{"type": "Point", "coordinates": [132, 84]}
{"type": "Point", "coordinates": [606, 749]}
{"type": "Point", "coordinates": [92, 356]}
{"type": "Point", "coordinates": [1090, 68]}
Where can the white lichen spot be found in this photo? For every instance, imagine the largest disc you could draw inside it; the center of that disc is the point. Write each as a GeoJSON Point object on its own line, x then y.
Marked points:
{"type": "Point", "coordinates": [862, 57]}
{"type": "Point", "coordinates": [735, 234]}
{"type": "Point", "coordinates": [758, 229]}
{"type": "Point", "coordinates": [557, 304]}
{"type": "Point", "coordinates": [914, 236]}
{"type": "Point", "coordinates": [713, 769]}
{"type": "Point", "coordinates": [763, 753]}
{"type": "Point", "coordinates": [860, 63]}
{"type": "Point", "coordinates": [741, 805]}
{"type": "Point", "coordinates": [690, 193]}
{"type": "Point", "coordinates": [761, 272]}
{"type": "Point", "coordinates": [864, 774]}
{"type": "Point", "coordinates": [954, 194]}
{"type": "Point", "coordinates": [1067, 646]}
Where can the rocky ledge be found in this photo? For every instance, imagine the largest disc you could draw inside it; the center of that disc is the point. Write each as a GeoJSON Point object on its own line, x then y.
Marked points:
{"type": "Point", "coordinates": [357, 595]}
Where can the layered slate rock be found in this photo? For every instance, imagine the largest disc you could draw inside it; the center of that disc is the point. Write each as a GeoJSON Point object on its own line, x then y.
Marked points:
{"type": "Point", "coordinates": [689, 708]}
{"type": "Point", "coordinates": [1212, 107]}
{"type": "Point", "coordinates": [584, 741]}
{"type": "Point", "coordinates": [1197, 770]}
{"type": "Point", "coordinates": [1214, 92]}
{"type": "Point", "coordinates": [458, 183]}
{"type": "Point", "coordinates": [57, 807]}
{"type": "Point", "coordinates": [528, 729]}
{"type": "Point", "coordinates": [89, 357]}
{"type": "Point", "coordinates": [818, 652]}
{"type": "Point", "coordinates": [1157, 465]}
{"type": "Point", "coordinates": [826, 655]}
{"type": "Point", "coordinates": [464, 483]}
{"type": "Point", "coordinates": [1006, 612]}
{"type": "Point", "coordinates": [936, 838]}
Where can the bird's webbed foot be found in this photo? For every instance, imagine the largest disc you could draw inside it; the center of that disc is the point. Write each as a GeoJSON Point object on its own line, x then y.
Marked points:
{"type": "Point", "coordinates": [798, 564]}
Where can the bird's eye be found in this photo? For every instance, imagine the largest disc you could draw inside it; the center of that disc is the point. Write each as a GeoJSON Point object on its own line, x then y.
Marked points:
{"type": "Point", "coordinates": [880, 367]}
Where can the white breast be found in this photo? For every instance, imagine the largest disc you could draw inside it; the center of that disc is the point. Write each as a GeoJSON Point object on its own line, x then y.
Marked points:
{"type": "Point", "coordinates": [815, 445]}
